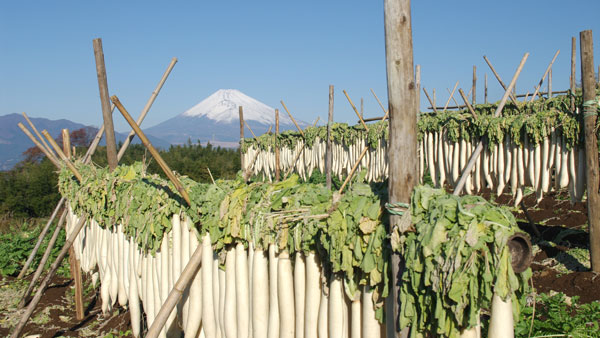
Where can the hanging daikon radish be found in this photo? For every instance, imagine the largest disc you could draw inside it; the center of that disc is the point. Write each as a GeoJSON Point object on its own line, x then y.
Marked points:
{"type": "Point", "coordinates": [478, 173]}
{"type": "Point", "coordinates": [206, 272]}
{"type": "Point", "coordinates": [463, 155]}
{"type": "Point", "coordinates": [545, 184]}
{"type": "Point", "coordinates": [486, 167]}
{"type": "Point", "coordinates": [564, 170]}
{"type": "Point", "coordinates": [241, 290]}
{"type": "Point", "coordinates": [313, 295]}
{"type": "Point", "coordinates": [447, 155]}
{"type": "Point", "coordinates": [216, 295]}
{"type": "Point", "coordinates": [557, 159]}
{"type": "Point", "coordinates": [250, 285]}
{"type": "Point", "coordinates": [440, 161]}
{"type": "Point", "coordinates": [323, 321]}
{"type": "Point", "coordinates": [156, 291]}
{"type": "Point", "coordinates": [230, 309]}
{"type": "Point", "coordinates": [127, 266]}
{"type": "Point", "coordinates": [370, 325]}
{"type": "Point", "coordinates": [356, 309]}
{"type": "Point", "coordinates": [421, 162]}
{"type": "Point", "coordinates": [164, 279]}
{"type": "Point", "coordinates": [508, 160]}
{"type": "Point", "coordinates": [494, 166]}
{"type": "Point", "coordinates": [149, 301]}
{"type": "Point", "coordinates": [469, 182]}
{"type": "Point", "coordinates": [195, 310]}
{"type": "Point", "coordinates": [299, 293]}
{"type": "Point", "coordinates": [114, 250]}
{"type": "Point", "coordinates": [501, 166]}
{"type": "Point", "coordinates": [501, 320]}
{"type": "Point", "coordinates": [552, 153]}
{"type": "Point", "coordinates": [336, 308]}
{"type": "Point", "coordinates": [273, 330]}
{"type": "Point", "coordinates": [260, 295]}
{"type": "Point", "coordinates": [134, 300]}
{"type": "Point", "coordinates": [222, 292]}
{"type": "Point", "coordinates": [285, 294]}
{"type": "Point", "coordinates": [537, 184]}
{"type": "Point", "coordinates": [514, 170]}
{"type": "Point", "coordinates": [431, 159]}
{"type": "Point", "coordinates": [456, 162]}
{"type": "Point", "coordinates": [185, 257]}
{"type": "Point", "coordinates": [122, 295]}
{"type": "Point", "coordinates": [581, 175]}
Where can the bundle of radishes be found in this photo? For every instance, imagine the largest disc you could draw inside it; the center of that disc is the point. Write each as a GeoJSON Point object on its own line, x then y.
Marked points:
{"type": "Point", "coordinates": [505, 166]}
{"type": "Point", "coordinates": [312, 158]}
{"type": "Point", "coordinates": [239, 292]}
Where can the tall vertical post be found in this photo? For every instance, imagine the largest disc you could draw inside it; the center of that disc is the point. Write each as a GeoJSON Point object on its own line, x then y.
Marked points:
{"type": "Point", "coordinates": [590, 105]}
{"type": "Point", "coordinates": [418, 82]}
{"type": "Point", "coordinates": [277, 160]}
{"type": "Point", "coordinates": [485, 99]}
{"type": "Point", "coordinates": [328, 154]}
{"type": "Point", "coordinates": [111, 145]}
{"type": "Point", "coordinates": [402, 149]}
{"type": "Point", "coordinates": [362, 108]}
{"type": "Point", "coordinates": [66, 140]}
{"type": "Point", "coordinates": [572, 78]}
{"type": "Point", "coordinates": [434, 101]}
{"type": "Point", "coordinates": [241, 112]}
{"type": "Point", "coordinates": [474, 84]}
{"type": "Point", "coordinates": [550, 83]}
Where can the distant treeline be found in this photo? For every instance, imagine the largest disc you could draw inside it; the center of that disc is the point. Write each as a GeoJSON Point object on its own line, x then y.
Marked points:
{"type": "Point", "coordinates": [30, 188]}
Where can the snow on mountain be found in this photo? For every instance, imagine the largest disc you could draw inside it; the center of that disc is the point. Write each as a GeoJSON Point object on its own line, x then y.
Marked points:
{"type": "Point", "coordinates": [222, 106]}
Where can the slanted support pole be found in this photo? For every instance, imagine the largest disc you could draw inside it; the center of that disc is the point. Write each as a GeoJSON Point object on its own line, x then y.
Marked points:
{"type": "Point", "coordinates": [402, 149]}
{"type": "Point", "coordinates": [590, 115]}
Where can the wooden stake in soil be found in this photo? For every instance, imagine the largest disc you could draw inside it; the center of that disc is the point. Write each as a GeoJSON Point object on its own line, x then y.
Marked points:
{"type": "Point", "coordinates": [277, 168]}
{"type": "Point", "coordinates": [163, 165]}
{"type": "Point", "coordinates": [328, 154]}
{"type": "Point", "coordinates": [66, 139]}
{"type": "Point", "coordinates": [590, 115]}
{"type": "Point", "coordinates": [111, 145]}
{"type": "Point", "coordinates": [146, 108]}
{"type": "Point", "coordinates": [38, 295]}
{"type": "Point", "coordinates": [62, 155]}
{"type": "Point", "coordinates": [402, 149]}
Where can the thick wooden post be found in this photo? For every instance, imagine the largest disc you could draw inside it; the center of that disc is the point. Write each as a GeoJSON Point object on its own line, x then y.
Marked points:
{"type": "Point", "coordinates": [474, 84]}
{"type": "Point", "coordinates": [572, 79]}
{"type": "Point", "coordinates": [277, 159]}
{"type": "Point", "coordinates": [241, 113]}
{"type": "Point", "coordinates": [109, 130]}
{"type": "Point", "coordinates": [591, 146]}
{"type": "Point", "coordinates": [402, 149]}
{"type": "Point", "coordinates": [328, 154]}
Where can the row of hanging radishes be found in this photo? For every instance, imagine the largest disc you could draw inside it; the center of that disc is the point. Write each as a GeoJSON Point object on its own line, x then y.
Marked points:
{"type": "Point", "coordinates": [257, 294]}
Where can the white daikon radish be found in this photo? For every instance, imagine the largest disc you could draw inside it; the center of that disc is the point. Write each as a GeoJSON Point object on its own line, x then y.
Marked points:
{"type": "Point", "coordinates": [336, 308]}
{"type": "Point", "coordinates": [521, 166]}
{"type": "Point", "coordinates": [312, 296]}
{"type": "Point", "coordinates": [195, 310]}
{"type": "Point", "coordinates": [149, 301]}
{"type": "Point", "coordinates": [440, 161]}
{"type": "Point", "coordinates": [241, 291]}
{"type": "Point", "coordinates": [106, 280]}
{"type": "Point", "coordinates": [230, 310]}
{"type": "Point", "coordinates": [217, 293]}
{"type": "Point", "coordinates": [112, 258]}
{"type": "Point", "coordinates": [514, 171]}
{"type": "Point", "coordinates": [250, 281]}
{"type": "Point", "coordinates": [507, 160]}
{"type": "Point", "coordinates": [370, 325]}
{"type": "Point", "coordinates": [537, 184]}
{"type": "Point", "coordinates": [421, 162]}
{"type": "Point", "coordinates": [285, 293]}
{"type": "Point", "coordinates": [156, 292]}
{"type": "Point", "coordinates": [501, 320]}
{"type": "Point", "coordinates": [273, 331]}
{"type": "Point", "coordinates": [323, 321]}
{"type": "Point", "coordinates": [299, 293]}
{"type": "Point", "coordinates": [456, 162]}
{"type": "Point", "coordinates": [134, 300]}
{"type": "Point", "coordinates": [185, 257]}
{"type": "Point", "coordinates": [355, 317]}
{"type": "Point", "coordinates": [564, 169]}
{"type": "Point", "coordinates": [260, 295]}
{"type": "Point", "coordinates": [486, 168]}
{"type": "Point", "coordinates": [206, 271]}
{"type": "Point", "coordinates": [545, 179]}
{"type": "Point", "coordinates": [552, 152]}
{"type": "Point", "coordinates": [478, 174]}
{"type": "Point", "coordinates": [122, 294]}
{"type": "Point", "coordinates": [430, 155]}
{"type": "Point", "coordinates": [222, 292]}
{"type": "Point", "coordinates": [501, 166]}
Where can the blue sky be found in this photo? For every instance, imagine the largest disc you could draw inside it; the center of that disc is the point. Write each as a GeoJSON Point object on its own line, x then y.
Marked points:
{"type": "Point", "coordinates": [270, 50]}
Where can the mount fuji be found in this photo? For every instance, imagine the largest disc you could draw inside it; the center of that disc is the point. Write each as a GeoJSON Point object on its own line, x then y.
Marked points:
{"type": "Point", "coordinates": [216, 119]}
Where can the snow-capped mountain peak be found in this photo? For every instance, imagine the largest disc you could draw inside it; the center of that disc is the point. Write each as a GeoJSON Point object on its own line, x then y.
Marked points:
{"type": "Point", "coordinates": [222, 106]}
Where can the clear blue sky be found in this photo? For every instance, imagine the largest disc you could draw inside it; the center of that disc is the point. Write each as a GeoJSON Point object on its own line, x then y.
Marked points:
{"type": "Point", "coordinates": [270, 50]}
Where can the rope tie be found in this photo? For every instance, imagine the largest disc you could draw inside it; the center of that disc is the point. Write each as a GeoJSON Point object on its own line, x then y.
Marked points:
{"type": "Point", "coordinates": [397, 208]}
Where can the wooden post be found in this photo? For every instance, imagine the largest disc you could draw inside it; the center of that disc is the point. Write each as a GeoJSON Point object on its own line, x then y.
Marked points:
{"type": "Point", "coordinates": [432, 102]}
{"type": "Point", "coordinates": [466, 100]}
{"type": "Point", "coordinates": [163, 165]}
{"type": "Point", "coordinates": [66, 139]}
{"type": "Point", "coordinates": [277, 160]}
{"type": "Point", "coordinates": [572, 78]}
{"type": "Point", "coordinates": [485, 98]}
{"type": "Point", "coordinates": [111, 145]}
{"type": "Point", "coordinates": [512, 95]}
{"type": "Point", "coordinates": [550, 84]}
{"type": "Point", "coordinates": [62, 155]}
{"type": "Point", "coordinates": [46, 152]}
{"type": "Point", "coordinates": [537, 88]}
{"type": "Point", "coordinates": [328, 154]}
{"type": "Point", "coordinates": [474, 83]}
{"type": "Point", "coordinates": [146, 108]}
{"type": "Point", "coordinates": [418, 82]}
{"type": "Point", "coordinates": [37, 133]}
{"type": "Point", "coordinates": [291, 117]}
{"type": "Point", "coordinates": [590, 115]}
{"type": "Point", "coordinates": [451, 96]}
{"type": "Point", "coordinates": [402, 149]}
{"type": "Point", "coordinates": [38, 295]}
{"type": "Point", "coordinates": [362, 108]}
{"type": "Point", "coordinates": [241, 113]}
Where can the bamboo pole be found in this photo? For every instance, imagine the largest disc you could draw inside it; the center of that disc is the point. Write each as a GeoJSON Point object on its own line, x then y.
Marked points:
{"type": "Point", "coordinates": [189, 272]}
{"type": "Point", "coordinates": [453, 100]}
{"type": "Point", "coordinates": [474, 89]}
{"type": "Point", "coordinates": [35, 130]}
{"type": "Point", "coordinates": [241, 114]}
{"type": "Point", "coordinates": [62, 155]}
{"type": "Point", "coordinates": [572, 78]}
{"type": "Point", "coordinates": [147, 107]}
{"type": "Point", "coordinates": [434, 100]}
{"type": "Point", "coordinates": [385, 112]}
{"type": "Point", "coordinates": [466, 100]}
{"type": "Point", "coordinates": [38, 295]}
{"type": "Point", "coordinates": [277, 155]}
{"type": "Point", "coordinates": [451, 96]}
{"type": "Point", "coordinates": [537, 88]}
{"type": "Point", "coordinates": [49, 155]}
{"type": "Point", "coordinates": [66, 139]}
{"type": "Point", "coordinates": [248, 170]}
{"type": "Point", "coordinates": [362, 107]}
{"type": "Point", "coordinates": [328, 154]}
{"type": "Point", "coordinates": [402, 147]}
{"type": "Point", "coordinates": [291, 117]}
{"type": "Point", "coordinates": [251, 132]}
{"type": "Point", "coordinates": [40, 239]}
{"type": "Point", "coordinates": [549, 84]}
{"type": "Point", "coordinates": [152, 150]}
{"type": "Point", "coordinates": [356, 111]}
{"type": "Point", "coordinates": [212, 179]}
{"type": "Point", "coordinates": [111, 145]}
{"type": "Point", "coordinates": [512, 96]}
{"type": "Point", "coordinates": [38, 272]}
{"type": "Point", "coordinates": [467, 170]}
{"type": "Point", "coordinates": [590, 115]}
{"type": "Point", "coordinates": [430, 101]}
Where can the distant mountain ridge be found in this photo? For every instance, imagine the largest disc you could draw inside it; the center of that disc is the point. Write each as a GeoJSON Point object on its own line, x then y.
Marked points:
{"type": "Point", "coordinates": [216, 119]}
{"type": "Point", "coordinates": [13, 142]}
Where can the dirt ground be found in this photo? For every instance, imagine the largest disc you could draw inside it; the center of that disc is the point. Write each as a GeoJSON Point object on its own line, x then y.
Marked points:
{"type": "Point", "coordinates": [561, 264]}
